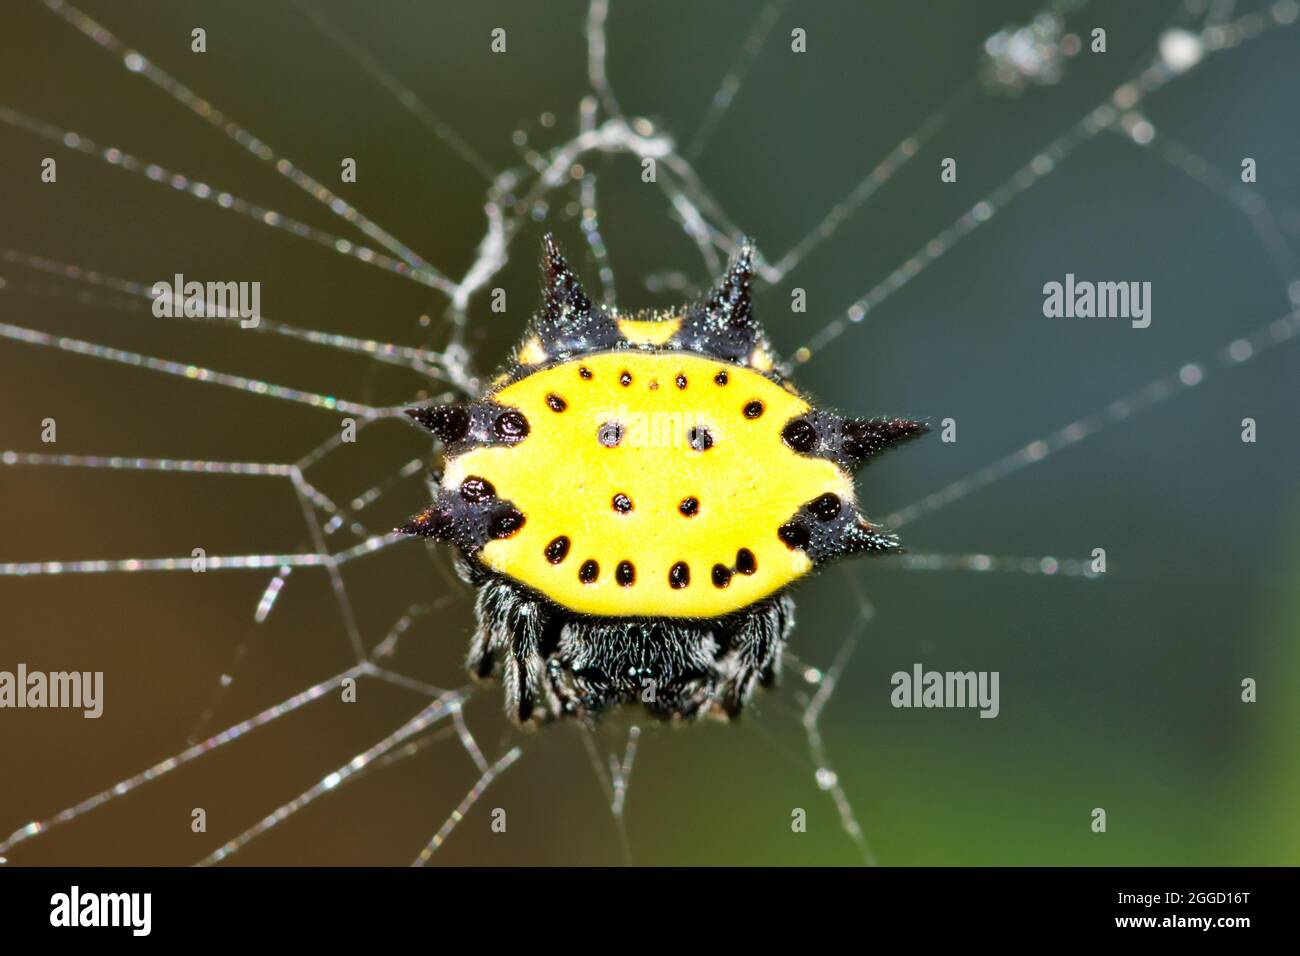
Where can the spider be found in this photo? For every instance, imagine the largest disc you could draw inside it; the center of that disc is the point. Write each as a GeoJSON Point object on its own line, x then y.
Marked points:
{"type": "Point", "coordinates": [634, 497]}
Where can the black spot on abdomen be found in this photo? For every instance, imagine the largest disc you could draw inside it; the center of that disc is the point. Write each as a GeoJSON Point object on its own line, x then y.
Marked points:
{"type": "Point", "coordinates": [800, 435]}
{"type": "Point", "coordinates": [505, 522]}
{"type": "Point", "coordinates": [557, 550]}
{"type": "Point", "coordinates": [625, 574]}
{"type": "Point", "coordinates": [610, 434]}
{"type": "Point", "coordinates": [825, 507]}
{"type": "Point", "coordinates": [701, 439]}
{"type": "Point", "coordinates": [475, 489]}
{"type": "Point", "coordinates": [794, 534]}
{"type": "Point", "coordinates": [510, 426]}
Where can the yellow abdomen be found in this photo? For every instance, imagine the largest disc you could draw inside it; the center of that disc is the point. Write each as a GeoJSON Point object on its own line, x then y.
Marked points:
{"type": "Point", "coordinates": [651, 484]}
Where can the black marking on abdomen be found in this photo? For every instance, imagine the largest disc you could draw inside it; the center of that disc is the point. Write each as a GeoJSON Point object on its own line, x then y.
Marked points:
{"type": "Point", "coordinates": [625, 574]}
{"type": "Point", "coordinates": [462, 427]}
{"type": "Point", "coordinates": [824, 529]}
{"type": "Point", "coordinates": [849, 443]}
{"type": "Point", "coordinates": [470, 516]}
{"type": "Point", "coordinates": [557, 550]}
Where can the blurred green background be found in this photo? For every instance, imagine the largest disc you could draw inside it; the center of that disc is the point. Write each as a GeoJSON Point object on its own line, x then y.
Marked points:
{"type": "Point", "coordinates": [1120, 693]}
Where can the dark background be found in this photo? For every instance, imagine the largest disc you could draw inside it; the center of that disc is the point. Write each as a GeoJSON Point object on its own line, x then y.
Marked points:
{"type": "Point", "coordinates": [1120, 693]}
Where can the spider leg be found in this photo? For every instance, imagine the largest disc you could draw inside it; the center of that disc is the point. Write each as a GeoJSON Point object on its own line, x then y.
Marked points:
{"type": "Point", "coordinates": [508, 644]}
{"type": "Point", "coordinates": [754, 653]}
{"type": "Point", "coordinates": [528, 691]}
{"type": "Point", "coordinates": [491, 638]}
{"type": "Point", "coordinates": [555, 665]}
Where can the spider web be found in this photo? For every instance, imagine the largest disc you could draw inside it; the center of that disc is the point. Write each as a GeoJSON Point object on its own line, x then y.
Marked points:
{"type": "Point", "coordinates": [342, 530]}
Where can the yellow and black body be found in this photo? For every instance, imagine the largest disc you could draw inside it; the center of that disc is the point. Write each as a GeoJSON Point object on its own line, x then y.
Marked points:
{"type": "Point", "coordinates": [634, 496]}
